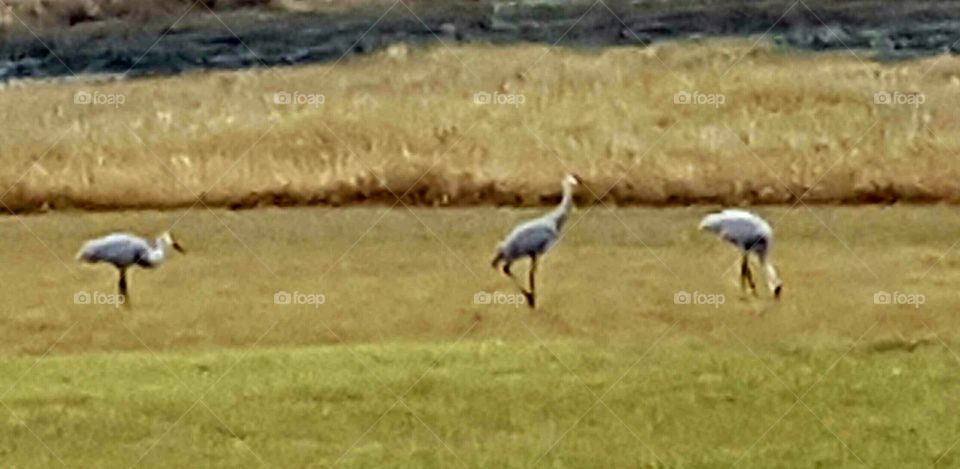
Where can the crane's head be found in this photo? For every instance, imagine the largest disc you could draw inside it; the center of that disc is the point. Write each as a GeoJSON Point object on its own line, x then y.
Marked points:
{"type": "Point", "coordinates": [572, 180]}
{"type": "Point", "coordinates": [773, 280]}
{"type": "Point", "coordinates": [168, 238]}
{"type": "Point", "coordinates": [776, 285]}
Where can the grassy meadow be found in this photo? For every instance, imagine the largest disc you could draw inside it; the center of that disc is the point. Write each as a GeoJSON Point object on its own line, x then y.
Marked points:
{"type": "Point", "coordinates": [400, 367]}
{"type": "Point", "coordinates": [398, 275]}
{"type": "Point", "coordinates": [772, 126]}
{"type": "Point", "coordinates": [678, 402]}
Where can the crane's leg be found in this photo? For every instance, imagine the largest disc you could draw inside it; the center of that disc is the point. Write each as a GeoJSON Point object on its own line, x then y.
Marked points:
{"type": "Point", "coordinates": [531, 295]}
{"type": "Point", "coordinates": [506, 271]}
{"type": "Point", "coordinates": [746, 277]}
{"type": "Point", "coordinates": [123, 285]}
{"type": "Point", "coordinates": [743, 273]}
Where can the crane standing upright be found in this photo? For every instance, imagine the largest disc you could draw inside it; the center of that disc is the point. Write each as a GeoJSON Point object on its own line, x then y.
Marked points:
{"type": "Point", "coordinates": [534, 238]}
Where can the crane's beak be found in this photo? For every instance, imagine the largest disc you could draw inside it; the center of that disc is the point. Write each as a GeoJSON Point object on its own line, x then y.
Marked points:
{"type": "Point", "coordinates": [179, 248]}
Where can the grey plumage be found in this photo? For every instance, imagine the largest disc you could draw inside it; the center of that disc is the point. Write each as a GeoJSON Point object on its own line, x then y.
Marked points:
{"type": "Point", "coordinates": [751, 234]}
{"type": "Point", "coordinates": [124, 250]}
{"type": "Point", "coordinates": [121, 250]}
{"type": "Point", "coordinates": [529, 240]}
{"type": "Point", "coordinates": [532, 239]}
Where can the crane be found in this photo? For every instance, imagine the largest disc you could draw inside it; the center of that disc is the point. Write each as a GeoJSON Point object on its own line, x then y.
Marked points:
{"type": "Point", "coordinates": [535, 237]}
{"type": "Point", "coordinates": [751, 234]}
{"type": "Point", "coordinates": [125, 250]}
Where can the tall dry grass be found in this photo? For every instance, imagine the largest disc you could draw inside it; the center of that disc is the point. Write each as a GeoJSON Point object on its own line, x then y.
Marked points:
{"type": "Point", "coordinates": [405, 122]}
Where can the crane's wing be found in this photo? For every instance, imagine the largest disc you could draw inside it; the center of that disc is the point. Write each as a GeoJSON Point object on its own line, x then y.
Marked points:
{"type": "Point", "coordinates": [529, 239]}
{"type": "Point", "coordinates": [117, 249]}
{"type": "Point", "coordinates": [745, 234]}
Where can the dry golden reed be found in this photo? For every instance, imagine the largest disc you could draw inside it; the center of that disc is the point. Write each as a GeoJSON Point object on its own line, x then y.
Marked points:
{"type": "Point", "coordinates": [678, 123]}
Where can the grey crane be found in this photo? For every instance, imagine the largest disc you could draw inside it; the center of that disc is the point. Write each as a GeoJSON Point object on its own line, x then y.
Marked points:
{"type": "Point", "coordinates": [125, 250]}
{"type": "Point", "coordinates": [751, 234]}
{"type": "Point", "coordinates": [534, 238]}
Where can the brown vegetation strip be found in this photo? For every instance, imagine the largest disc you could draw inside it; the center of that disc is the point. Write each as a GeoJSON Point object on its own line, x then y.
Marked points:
{"type": "Point", "coordinates": [440, 189]}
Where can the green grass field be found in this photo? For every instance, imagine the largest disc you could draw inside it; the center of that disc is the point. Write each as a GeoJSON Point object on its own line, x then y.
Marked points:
{"type": "Point", "coordinates": [677, 402]}
{"type": "Point", "coordinates": [400, 367]}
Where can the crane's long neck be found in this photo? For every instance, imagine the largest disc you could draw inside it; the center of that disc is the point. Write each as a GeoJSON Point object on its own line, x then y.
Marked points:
{"type": "Point", "coordinates": [559, 214]}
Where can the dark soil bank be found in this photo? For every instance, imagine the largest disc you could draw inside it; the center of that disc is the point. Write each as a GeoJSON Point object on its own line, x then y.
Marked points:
{"type": "Point", "coordinates": [257, 37]}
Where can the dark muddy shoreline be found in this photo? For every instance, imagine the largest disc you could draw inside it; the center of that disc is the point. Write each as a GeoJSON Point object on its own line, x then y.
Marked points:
{"type": "Point", "coordinates": [258, 38]}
